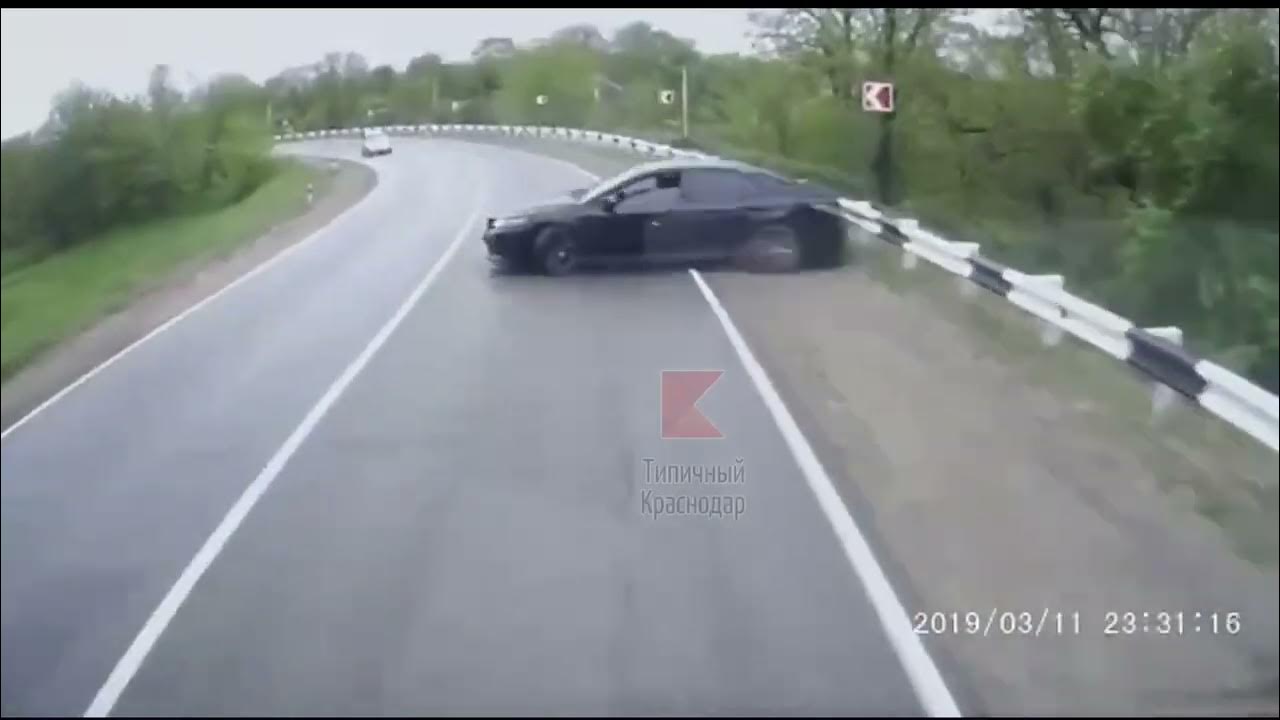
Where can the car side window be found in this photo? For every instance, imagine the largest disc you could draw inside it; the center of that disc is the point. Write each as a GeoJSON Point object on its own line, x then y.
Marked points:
{"type": "Point", "coordinates": [652, 193]}
{"type": "Point", "coordinates": [714, 187]}
{"type": "Point", "coordinates": [653, 200]}
{"type": "Point", "coordinates": [638, 187]}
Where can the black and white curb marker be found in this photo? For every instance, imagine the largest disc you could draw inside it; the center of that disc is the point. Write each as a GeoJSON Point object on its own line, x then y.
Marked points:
{"type": "Point", "coordinates": [1032, 301]}
{"type": "Point", "coordinates": [1159, 353]}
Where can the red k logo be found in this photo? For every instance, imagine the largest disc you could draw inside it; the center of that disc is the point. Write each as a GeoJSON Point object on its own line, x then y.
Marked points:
{"type": "Point", "coordinates": [681, 390]}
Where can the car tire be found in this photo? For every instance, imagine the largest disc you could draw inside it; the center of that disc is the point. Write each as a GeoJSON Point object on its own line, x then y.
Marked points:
{"type": "Point", "coordinates": [555, 251]}
{"type": "Point", "coordinates": [772, 248]}
{"type": "Point", "coordinates": [828, 247]}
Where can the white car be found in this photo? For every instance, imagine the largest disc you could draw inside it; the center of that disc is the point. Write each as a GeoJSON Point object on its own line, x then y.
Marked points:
{"type": "Point", "coordinates": [376, 142]}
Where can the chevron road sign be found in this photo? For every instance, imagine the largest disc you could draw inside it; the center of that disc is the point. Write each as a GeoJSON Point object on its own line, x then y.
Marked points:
{"type": "Point", "coordinates": [877, 97]}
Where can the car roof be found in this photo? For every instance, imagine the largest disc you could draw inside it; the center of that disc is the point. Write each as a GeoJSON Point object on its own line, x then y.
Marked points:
{"type": "Point", "coordinates": [697, 164]}
{"type": "Point", "coordinates": [681, 164]}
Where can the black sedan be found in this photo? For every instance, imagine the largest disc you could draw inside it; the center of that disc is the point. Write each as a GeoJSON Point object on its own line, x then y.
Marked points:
{"type": "Point", "coordinates": [677, 211]}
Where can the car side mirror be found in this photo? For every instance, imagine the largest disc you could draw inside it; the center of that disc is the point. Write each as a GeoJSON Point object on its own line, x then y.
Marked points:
{"type": "Point", "coordinates": [609, 202]}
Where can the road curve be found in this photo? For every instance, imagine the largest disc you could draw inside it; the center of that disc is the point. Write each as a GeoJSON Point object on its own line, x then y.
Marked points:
{"type": "Point", "coordinates": [463, 530]}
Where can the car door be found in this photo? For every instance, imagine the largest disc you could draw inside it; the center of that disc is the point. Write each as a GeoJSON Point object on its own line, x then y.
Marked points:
{"type": "Point", "coordinates": [613, 228]}
{"type": "Point", "coordinates": [706, 220]}
{"type": "Point", "coordinates": [641, 209]}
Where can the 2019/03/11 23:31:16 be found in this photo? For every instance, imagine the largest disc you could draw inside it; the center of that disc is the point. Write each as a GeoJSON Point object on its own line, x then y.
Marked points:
{"type": "Point", "coordinates": [1045, 621]}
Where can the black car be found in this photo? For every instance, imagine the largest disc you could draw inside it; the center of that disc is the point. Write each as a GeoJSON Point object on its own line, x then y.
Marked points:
{"type": "Point", "coordinates": [682, 211]}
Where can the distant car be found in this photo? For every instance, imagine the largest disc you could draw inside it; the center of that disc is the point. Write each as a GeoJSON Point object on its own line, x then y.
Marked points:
{"type": "Point", "coordinates": [677, 211]}
{"type": "Point", "coordinates": [375, 143]}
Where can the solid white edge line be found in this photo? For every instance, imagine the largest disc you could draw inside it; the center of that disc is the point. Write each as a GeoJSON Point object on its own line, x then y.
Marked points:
{"type": "Point", "coordinates": [261, 267]}
{"type": "Point", "coordinates": [160, 618]}
{"type": "Point", "coordinates": [923, 674]}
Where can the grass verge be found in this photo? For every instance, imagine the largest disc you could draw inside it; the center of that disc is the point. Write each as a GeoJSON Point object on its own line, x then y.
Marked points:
{"type": "Point", "coordinates": [47, 301]}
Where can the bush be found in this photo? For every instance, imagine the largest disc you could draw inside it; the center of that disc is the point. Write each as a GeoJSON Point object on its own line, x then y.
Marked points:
{"type": "Point", "coordinates": [103, 162]}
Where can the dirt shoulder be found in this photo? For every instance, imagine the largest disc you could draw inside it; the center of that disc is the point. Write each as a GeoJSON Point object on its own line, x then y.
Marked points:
{"type": "Point", "coordinates": [338, 188]}
{"type": "Point", "coordinates": [995, 474]}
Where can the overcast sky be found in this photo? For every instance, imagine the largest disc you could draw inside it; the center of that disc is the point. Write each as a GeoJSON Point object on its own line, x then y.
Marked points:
{"type": "Point", "coordinates": [43, 51]}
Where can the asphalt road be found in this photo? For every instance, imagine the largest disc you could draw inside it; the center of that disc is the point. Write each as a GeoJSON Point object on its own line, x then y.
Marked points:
{"type": "Point", "coordinates": [460, 529]}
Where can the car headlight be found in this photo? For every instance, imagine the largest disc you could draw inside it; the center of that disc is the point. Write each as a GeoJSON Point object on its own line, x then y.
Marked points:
{"type": "Point", "coordinates": [512, 221]}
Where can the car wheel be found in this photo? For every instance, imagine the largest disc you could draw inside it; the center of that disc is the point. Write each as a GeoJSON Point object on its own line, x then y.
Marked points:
{"type": "Point", "coordinates": [773, 248]}
{"type": "Point", "coordinates": [828, 247]}
{"type": "Point", "coordinates": [556, 252]}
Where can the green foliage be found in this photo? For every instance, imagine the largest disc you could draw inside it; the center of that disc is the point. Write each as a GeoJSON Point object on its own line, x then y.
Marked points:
{"type": "Point", "coordinates": [562, 73]}
{"type": "Point", "coordinates": [827, 131]}
{"type": "Point", "coordinates": [103, 162]}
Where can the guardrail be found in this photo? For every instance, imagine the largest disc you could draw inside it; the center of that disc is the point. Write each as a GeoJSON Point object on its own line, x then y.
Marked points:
{"type": "Point", "coordinates": [1156, 352]}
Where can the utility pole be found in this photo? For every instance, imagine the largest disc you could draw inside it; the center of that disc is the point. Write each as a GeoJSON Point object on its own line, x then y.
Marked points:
{"type": "Point", "coordinates": [684, 100]}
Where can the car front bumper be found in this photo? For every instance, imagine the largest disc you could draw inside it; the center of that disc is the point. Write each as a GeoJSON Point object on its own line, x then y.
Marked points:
{"type": "Point", "coordinates": [509, 242]}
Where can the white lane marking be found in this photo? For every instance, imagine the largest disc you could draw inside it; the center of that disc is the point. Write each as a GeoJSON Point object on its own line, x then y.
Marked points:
{"type": "Point", "coordinates": [924, 676]}
{"type": "Point", "coordinates": [178, 318]}
{"type": "Point", "coordinates": [133, 658]}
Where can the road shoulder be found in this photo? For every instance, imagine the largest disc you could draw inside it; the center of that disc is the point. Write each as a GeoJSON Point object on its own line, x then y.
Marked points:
{"type": "Point", "coordinates": [187, 285]}
{"type": "Point", "coordinates": [995, 493]}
